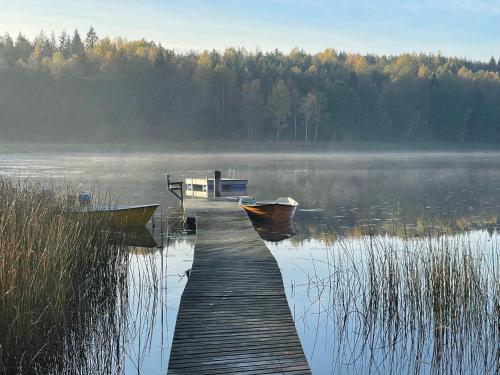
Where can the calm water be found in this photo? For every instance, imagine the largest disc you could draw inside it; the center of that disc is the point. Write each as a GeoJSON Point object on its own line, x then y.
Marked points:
{"type": "Point", "coordinates": [340, 195]}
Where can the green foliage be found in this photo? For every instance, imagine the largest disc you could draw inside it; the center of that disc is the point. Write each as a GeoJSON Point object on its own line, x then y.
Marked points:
{"type": "Point", "coordinates": [115, 90]}
{"type": "Point", "coordinates": [279, 103]}
{"type": "Point", "coordinates": [309, 105]}
{"type": "Point", "coordinates": [65, 44]}
{"type": "Point", "coordinates": [253, 110]}
{"type": "Point", "coordinates": [76, 44]}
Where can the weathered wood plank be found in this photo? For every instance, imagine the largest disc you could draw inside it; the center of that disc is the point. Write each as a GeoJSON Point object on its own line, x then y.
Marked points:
{"type": "Point", "coordinates": [233, 316]}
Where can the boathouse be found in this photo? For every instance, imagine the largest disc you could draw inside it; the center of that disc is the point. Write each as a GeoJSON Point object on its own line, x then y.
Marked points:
{"type": "Point", "coordinates": [215, 187]}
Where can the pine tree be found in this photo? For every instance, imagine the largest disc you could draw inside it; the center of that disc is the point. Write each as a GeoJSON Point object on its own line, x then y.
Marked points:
{"type": "Point", "coordinates": [492, 64]}
{"type": "Point", "coordinates": [91, 39]}
{"type": "Point", "coordinates": [64, 44]}
{"type": "Point", "coordinates": [42, 46]}
{"type": "Point", "coordinates": [7, 50]}
{"type": "Point", "coordinates": [23, 48]}
{"type": "Point", "coordinates": [52, 43]}
{"type": "Point", "coordinates": [77, 46]}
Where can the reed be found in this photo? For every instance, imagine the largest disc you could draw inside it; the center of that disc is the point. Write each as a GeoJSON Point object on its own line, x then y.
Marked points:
{"type": "Point", "coordinates": [62, 285]}
{"type": "Point", "coordinates": [421, 304]}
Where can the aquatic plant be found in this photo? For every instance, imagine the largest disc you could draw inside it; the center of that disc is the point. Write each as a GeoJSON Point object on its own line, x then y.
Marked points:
{"type": "Point", "coordinates": [62, 285]}
{"type": "Point", "coordinates": [421, 304]}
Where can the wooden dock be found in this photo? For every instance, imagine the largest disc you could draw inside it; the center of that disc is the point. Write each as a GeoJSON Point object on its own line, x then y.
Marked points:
{"type": "Point", "coordinates": [233, 316]}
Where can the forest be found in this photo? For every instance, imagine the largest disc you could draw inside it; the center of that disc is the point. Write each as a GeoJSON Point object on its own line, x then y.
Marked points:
{"type": "Point", "coordinates": [76, 87]}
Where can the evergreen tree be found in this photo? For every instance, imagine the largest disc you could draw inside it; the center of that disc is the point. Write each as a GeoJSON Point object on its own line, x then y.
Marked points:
{"type": "Point", "coordinates": [42, 47]}
{"type": "Point", "coordinates": [91, 38]}
{"type": "Point", "coordinates": [7, 53]}
{"type": "Point", "coordinates": [23, 48]}
{"type": "Point", "coordinates": [77, 47]}
{"type": "Point", "coordinates": [52, 43]}
{"type": "Point", "coordinates": [64, 44]}
{"type": "Point", "coordinates": [492, 64]}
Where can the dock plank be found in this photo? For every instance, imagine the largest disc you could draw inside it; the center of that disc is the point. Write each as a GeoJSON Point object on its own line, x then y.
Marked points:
{"type": "Point", "coordinates": [233, 316]}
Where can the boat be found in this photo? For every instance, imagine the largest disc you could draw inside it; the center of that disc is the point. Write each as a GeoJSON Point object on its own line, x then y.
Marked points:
{"type": "Point", "coordinates": [280, 209]}
{"type": "Point", "coordinates": [130, 216]}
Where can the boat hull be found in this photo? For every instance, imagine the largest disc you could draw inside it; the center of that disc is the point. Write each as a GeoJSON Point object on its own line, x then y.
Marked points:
{"type": "Point", "coordinates": [121, 217]}
{"type": "Point", "coordinates": [274, 212]}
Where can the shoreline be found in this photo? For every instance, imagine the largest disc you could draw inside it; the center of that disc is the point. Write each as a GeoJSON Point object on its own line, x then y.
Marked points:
{"type": "Point", "coordinates": [271, 147]}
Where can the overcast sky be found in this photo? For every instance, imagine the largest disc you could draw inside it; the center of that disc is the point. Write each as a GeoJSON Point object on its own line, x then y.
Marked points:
{"type": "Point", "coordinates": [465, 28]}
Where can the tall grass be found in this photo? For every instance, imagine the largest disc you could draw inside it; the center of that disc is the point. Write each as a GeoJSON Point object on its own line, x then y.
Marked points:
{"type": "Point", "coordinates": [62, 286]}
{"type": "Point", "coordinates": [420, 304]}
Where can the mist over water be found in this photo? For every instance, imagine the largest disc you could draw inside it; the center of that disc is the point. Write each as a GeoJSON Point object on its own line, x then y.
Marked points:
{"type": "Point", "coordinates": [342, 188]}
{"type": "Point", "coordinates": [340, 194]}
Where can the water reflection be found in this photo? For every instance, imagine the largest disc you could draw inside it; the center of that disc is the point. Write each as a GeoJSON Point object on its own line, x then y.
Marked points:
{"type": "Point", "coordinates": [92, 336]}
{"type": "Point", "coordinates": [156, 280]}
{"type": "Point", "coordinates": [274, 231]}
{"type": "Point", "coordinates": [380, 304]}
{"type": "Point", "coordinates": [133, 237]}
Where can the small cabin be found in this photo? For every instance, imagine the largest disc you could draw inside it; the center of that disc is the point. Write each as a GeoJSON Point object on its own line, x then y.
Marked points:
{"type": "Point", "coordinates": [206, 187]}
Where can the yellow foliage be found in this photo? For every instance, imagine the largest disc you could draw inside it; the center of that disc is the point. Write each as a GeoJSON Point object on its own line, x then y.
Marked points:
{"type": "Point", "coordinates": [424, 72]}
{"type": "Point", "coordinates": [312, 69]}
{"type": "Point", "coordinates": [358, 63]}
{"type": "Point", "coordinates": [405, 65]}
{"type": "Point", "coordinates": [327, 56]}
{"type": "Point", "coordinates": [205, 60]}
{"type": "Point", "coordinates": [104, 49]}
{"type": "Point", "coordinates": [465, 73]}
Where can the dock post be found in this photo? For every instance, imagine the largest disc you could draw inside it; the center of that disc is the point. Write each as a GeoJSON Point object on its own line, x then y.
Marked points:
{"type": "Point", "coordinates": [176, 189]}
{"type": "Point", "coordinates": [217, 183]}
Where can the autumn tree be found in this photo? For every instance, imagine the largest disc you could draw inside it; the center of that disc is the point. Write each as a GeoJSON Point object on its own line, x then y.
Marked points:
{"type": "Point", "coordinates": [253, 109]}
{"type": "Point", "coordinates": [295, 96]}
{"type": "Point", "coordinates": [126, 89]}
{"type": "Point", "coordinates": [279, 102]}
{"type": "Point", "coordinates": [309, 110]}
{"type": "Point", "coordinates": [319, 105]}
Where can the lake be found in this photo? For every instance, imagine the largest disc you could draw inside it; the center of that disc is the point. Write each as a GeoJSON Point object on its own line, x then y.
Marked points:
{"type": "Point", "coordinates": [359, 298]}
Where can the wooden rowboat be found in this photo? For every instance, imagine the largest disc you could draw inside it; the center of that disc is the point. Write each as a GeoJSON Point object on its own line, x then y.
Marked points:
{"type": "Point", "coordinates": [131, 216]}
{"type": "Point", "coordinates": [278, 210]}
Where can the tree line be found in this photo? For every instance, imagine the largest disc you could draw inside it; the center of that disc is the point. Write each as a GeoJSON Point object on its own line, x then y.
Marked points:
{"type": "Point", "coordinates": [88, 89]}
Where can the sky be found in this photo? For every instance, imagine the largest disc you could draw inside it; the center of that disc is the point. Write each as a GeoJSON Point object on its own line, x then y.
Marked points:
{"type": "Point", "coordinates": [463, 28]}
